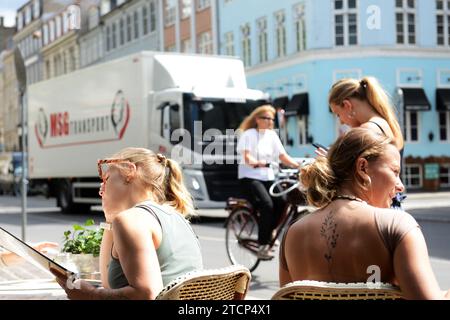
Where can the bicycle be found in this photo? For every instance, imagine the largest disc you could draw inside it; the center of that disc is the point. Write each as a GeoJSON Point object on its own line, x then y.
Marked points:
{"type": "Point", "coordinates": [241, 235]}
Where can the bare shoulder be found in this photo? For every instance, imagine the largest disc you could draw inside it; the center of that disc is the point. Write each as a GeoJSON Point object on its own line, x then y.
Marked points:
{"type": "Point", "coordinates": [135, 218]}
{"type": "Point", "coordinates": [304, 223]}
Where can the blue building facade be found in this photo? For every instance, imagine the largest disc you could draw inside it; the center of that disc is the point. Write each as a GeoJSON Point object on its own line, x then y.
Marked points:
{"type": "Point", "coordinates": [296, 50]}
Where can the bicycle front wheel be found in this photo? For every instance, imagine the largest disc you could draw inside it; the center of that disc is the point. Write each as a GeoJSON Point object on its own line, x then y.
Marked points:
{"type": "Point", "coordinates": [241, 239]}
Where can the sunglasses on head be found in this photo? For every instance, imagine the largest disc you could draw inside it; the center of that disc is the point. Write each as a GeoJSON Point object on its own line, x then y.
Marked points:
{"type": "Point", "coordinates": [267, 118]}
{"type": "Point", "coordinates": [104, 166]}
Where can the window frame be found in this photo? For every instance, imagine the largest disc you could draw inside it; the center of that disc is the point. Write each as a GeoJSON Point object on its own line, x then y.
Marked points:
{"type": "Point", "coordinates": [447, 174]}
{"type": "Point", "coordinates": [407, 176]}
{"type": "Point", "coordinates": [263, 47]}
{"type": "Point", "coordinates": [405, 11]}
{"type": "Point", "coordinates": [345, 13]}
{"type": "Point", "coordinates": [299, 12]}
{"type": "Point", "coordinates": [246, 45]}
{"type": "Point", "coordinates": [446, 126]}
{"type": "Point", "coordinates": [280, 33]}
{"type": "Point", "coordinates": [408, 127]}
{"type": "Point", "coordinates": [229, 43]}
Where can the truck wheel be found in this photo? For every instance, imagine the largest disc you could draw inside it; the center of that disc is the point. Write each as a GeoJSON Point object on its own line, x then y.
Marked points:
{"type": "Point", "coordinates": [64, 197]}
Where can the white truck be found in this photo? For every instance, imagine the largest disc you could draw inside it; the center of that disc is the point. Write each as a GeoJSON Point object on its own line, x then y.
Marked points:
{"type": "Point", "coordinates": [176, 104]}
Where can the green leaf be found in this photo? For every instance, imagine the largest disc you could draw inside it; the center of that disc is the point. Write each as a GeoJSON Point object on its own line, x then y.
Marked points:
{"type": "Point", "coordinates": [89, 222]}
{"type": "Point", "coordinates": [77, 227]}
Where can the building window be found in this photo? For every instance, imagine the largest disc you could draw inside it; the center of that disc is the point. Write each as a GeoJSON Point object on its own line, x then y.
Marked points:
{"type": "Point", "coordinates": [93, 18]}
{"type": "Point", "coordinates": [152, 16]}
{"type": "Point", "coordinates": [129, 28]}
{"type": "Point", "coordinates": [412, 176]}
{"type": "Point", "coordinates": [136, 25]}
{"type": "Point", "coordinates": [411, 126]}
{"type": "Point", "coordinates": [345, 22]}
{"type": "Point", "coordinates": [73, 59]}
{"type": "Point", "coordinates": [246, 45]}
{"type": "Point", "coordinates": [444, 126]}
{"type": "Point", "coordinates": [108, 38]}
{"type": "Point", "coordinates": [443, 22]}
{"type": "Point", "coordinates": [48, 69]}
{"type": "Point", "coordinates": [302, 124]}
{"type": "Point", "coordinates": [205, 43]}
{"type": "Point", "coordinates": [52, 30]}
{"type": "Point", "coordinates": [58, 26]}
{"type": "Point", "coordinates": [280, 33]}
{"type": "Point", "coordinates": [170, 13]}
{"type": "Point", "coordinates": [186, 8]}
{"type": "Point", "coordinates": [45, 34]}
{"type": "Point", "coordinates": [36, 9]}
{"type": "Point", "coordinates": [186, 45]}
{"type": "Point", "coordinates": [229, 43]}
{"type": "Point", "coordinates": [203, 4]}
{"type": "Point", "coordinates": [27, 15]}
{"type": "Point", "coordinates": [405, 16]}
{"type": "Point", "coordinates": [113, 36]}
{"type": "Point", "coordinates": [121, 32]}
{"type": "Point", "coordinates": [19, 20]}
{"type": "Point", "coordinates": [65, 22]}
{"type": "Point", "coordinates": [444, 175]}
{"type": "Point", "coordinates": [144, 20]}
{"type": "Point", "coordinates": [262, 39]}
{"type": "Point", "coordinates": [300, 27]}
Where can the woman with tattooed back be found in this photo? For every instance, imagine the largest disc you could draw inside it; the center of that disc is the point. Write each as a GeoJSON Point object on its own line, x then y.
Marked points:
{"type": "Point", "coordinates": [354, 229]}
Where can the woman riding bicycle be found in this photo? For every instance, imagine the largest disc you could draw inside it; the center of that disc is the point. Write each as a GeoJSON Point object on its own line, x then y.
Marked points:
{"type": "Point", "coordinates": [258, 146]}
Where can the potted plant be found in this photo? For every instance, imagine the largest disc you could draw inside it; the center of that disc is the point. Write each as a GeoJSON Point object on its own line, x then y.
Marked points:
{"type": "Point", "coordinates": [81, 249]}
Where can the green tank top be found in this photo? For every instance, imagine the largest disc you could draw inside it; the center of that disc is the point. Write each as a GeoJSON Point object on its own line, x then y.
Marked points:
{"type": "Point", "coordinates": [178, 253]}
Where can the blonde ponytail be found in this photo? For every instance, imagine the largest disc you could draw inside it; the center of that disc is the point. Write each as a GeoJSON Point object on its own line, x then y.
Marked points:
{"type": "Point", "coordinates": [176, 193]}
{"type": "Point", "coordinates": [380, 101]}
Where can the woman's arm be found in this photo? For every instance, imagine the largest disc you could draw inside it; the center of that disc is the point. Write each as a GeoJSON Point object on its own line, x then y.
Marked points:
{"type": "Point", "coordinates": [413, 269]}
{"type": "Point", "coordinates": [105, 256]}
{"type": "Point", "coordinates": [136, 238]}
{"type": "Point", "coordinates": [251, 161]}
{"type": "Point", "coordinates": [287, 160]}
{"type": "Point", "coordinates": [136, 243]}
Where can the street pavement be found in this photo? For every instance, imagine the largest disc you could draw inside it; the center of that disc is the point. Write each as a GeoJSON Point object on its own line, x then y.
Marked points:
{"type": "Point", "coordinates": [45, 222]}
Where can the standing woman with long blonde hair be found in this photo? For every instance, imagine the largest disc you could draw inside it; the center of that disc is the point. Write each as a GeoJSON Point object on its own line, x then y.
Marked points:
{"type": "Point", "coordinates": [259, 146]}
{"type": "Point", "coordinates": [363, 103]}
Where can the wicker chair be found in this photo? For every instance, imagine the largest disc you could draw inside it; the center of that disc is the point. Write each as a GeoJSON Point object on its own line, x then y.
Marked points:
{"type": "Point", "coordinates": [230, 283]}
{"type": "Point", "coordinates": [317, 290]}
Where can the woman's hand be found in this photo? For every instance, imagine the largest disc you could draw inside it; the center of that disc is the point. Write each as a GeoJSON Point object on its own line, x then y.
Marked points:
{"type": "Point", "coordinates": [75, 290]}
{"type": "Point", "coordinates": [321, 152]}
{"type": "Point", "coordinates": [44, 246]}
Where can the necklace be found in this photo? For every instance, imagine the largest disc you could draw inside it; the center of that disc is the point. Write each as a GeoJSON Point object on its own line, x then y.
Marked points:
{"type": "Point", "coordinates": [348, 197]}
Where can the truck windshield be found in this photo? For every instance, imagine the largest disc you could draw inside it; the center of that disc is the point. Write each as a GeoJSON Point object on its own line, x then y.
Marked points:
{"type": "Point", "coordinates": [218, 114]}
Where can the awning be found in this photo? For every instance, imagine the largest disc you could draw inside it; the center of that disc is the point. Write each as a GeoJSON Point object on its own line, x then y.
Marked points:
{"type": "Point", "coordinates": [280, 102]}
{"type": "Point", "coordinates": [298, 105]}
{"type": "Point", "coordinates": [415, 99]}
{"type": "Point", "coordinates": [443, 99]}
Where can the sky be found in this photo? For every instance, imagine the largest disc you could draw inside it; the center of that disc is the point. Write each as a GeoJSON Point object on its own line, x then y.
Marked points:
{"type": "Point", "coordinates": [8, 10]}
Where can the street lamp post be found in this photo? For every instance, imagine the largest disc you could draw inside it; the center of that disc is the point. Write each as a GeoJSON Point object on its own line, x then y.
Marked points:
{"type": "Point", "coordinates": [22, 86]}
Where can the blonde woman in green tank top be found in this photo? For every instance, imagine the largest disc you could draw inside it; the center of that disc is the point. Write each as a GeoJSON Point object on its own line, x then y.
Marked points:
{"type": "Point", "coordinates": [148, 241]}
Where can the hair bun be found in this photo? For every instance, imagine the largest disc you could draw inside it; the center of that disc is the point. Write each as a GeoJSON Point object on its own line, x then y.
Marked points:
{"type": "Point", "coordinates": [162, 159]}
{"type": "Point", "coordinates": [363, 83]}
